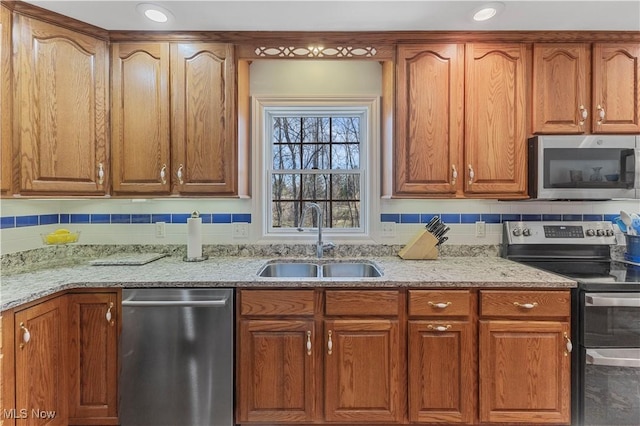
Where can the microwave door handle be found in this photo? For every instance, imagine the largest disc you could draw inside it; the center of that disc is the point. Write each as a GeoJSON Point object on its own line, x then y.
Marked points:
{"type": "Point", "coordinates": [612, 301]}
{"type": "Point", "coordinates": [595, 358]}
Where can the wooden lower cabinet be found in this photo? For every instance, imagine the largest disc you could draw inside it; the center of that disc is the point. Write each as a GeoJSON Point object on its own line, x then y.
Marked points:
{"type": "Point", "coordinates": [93, 358]}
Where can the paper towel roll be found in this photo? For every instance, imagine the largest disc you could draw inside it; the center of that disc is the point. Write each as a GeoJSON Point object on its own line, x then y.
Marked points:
{"type": "Point", "coordinates": [194, 237]}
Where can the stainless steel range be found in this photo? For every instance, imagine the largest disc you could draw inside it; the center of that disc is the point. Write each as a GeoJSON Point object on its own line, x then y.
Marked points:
{"type": "Point", "coordinates": [605, 313]}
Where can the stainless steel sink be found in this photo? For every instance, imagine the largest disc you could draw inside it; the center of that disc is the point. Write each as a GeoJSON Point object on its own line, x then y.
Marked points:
{"type": "Point", "coordinates": [322, 269]}
{"type": "Point", "coordinates": [289, 270]}
{"type": "Point", "coordinates": [350, 269]}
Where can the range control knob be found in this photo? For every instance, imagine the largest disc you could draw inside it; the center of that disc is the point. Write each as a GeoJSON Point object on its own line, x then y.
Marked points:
{"type": "Point", "coordinates": [517, 232]}
{"type": "Point", "coordinates": [609, 232]}
{"type": "Point", "coordinates": [600, 232]}
{"type": "Point", "coordinates": [526, 232]}
{"type": "Point", "coordinates": [590, 232]}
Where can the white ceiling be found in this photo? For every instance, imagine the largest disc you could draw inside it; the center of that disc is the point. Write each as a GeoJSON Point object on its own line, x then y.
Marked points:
{"type": "Point", "coordinates": [354, 15]}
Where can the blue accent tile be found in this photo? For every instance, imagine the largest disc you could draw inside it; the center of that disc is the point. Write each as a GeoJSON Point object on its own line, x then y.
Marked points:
{"type": "Point", "coordinates": [241, 217]}
{"type": "Point", "coordinates": [592, 217]}
{"type": "Point", "coordinates": [469, 218]}
{"type": "Point", "coordinates": [120, 218]}
{"type": "Point", "coordinates": [7, 222]}
{"type": "Point", "coordinates": [531, 217]}
{"type": "Point", "coordinates": [571, 217]}
{"type": "Point", "coordinates": [79, 218]}
{"type": "Point", "coordinates": [490, 217]}
{"type": "Point", "coordinates": [450, 218]}
{"type": "Point", "coordinates": [31, 220]}
{"type": "Point", "coordinates": [206, 218]}
{"type": "Point", "coordinates": [161, 217]}
{"type": "Point", "coordinates": [390, 217]}
{"type": "Point", "coordinates": [140, 218]}
{"type": "Point", "coordinates": [180, 217]}
{"type": "Point", "coordinates": [48, 219]}
{"type": "Point", "coordinates": [426, 217]}
{"type": "Point", "coordinates": [611, 217]}
{"type": "Point", "coordinates": [551, 217]}
{"type": "Point", "coordinates": [100, 218]}
{"type": "Point", "coordinates": [511, 217]}
{"type": "Point", "coordinates": [221, 218]}
{"type": "Point", "coordinates": [409, 218]}
{"type": "Point", "coordinates": [65, 218]}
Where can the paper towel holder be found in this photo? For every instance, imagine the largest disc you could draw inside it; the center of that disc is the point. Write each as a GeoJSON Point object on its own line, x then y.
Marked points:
{"type": "Point", "coordinates": [194, 215]}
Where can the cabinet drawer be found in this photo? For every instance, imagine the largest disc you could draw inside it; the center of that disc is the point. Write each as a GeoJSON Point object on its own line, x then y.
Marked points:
{"type": "Point", "coordinates": [439, 303]}
{"type": "Point", "coordinates": [362, 303]}
{"type": "Point", "coordinates": [276, 302]}
{"type": "Point", "coordinates": [525, 303]}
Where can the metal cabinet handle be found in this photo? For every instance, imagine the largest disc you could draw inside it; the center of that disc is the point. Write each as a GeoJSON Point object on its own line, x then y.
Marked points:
{"type": "Point", "coordinates": [179, 173]}
{"type": "Point", "coordinates": [100, 174]}
{"type": "Point", "coordinates": [568, 345]}
{"type": "Point", "coordinates": [308, 342]}
{"type": "Point", "coordinates": [584, 114]}
{"type": "Point", "coordinates": [26, 335]}
{"type": "Point", "coordinates": [526, 305]}
{"type": "Point", "coordinates": [163, 174]}
{"type": "Point", "coordinates": [472, 174]}
{"type": "Point", "coordinates": [454, 174]}
{"type": "Point", "coordinates": [439, 327]}
{"type": "Point", "coordinates": [601, 114]}
{"type": "Point", "coordinates": [330, 344]}
{"type": "Point", "coordinates": [109, 316]}
{"type": "Point", "coordinates": [439, 305]}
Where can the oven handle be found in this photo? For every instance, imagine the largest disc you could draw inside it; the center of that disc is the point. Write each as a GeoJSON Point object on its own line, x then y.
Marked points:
{"type": "Point", "coordinates": [613, 299]}
{"type": "Point", "coordinates": [595, 358]}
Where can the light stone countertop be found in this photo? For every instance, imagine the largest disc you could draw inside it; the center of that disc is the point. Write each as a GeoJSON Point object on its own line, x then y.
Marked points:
{"type": "Point", "coordinates": [445, 272]}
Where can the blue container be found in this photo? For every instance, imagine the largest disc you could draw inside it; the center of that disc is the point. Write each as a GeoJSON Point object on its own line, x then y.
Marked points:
{"type": "Point", "coordinates": [633, 247]}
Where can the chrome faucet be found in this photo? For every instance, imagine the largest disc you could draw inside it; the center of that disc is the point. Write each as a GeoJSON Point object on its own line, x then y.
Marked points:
{"type": "Point", "coordinates": [320, 246]}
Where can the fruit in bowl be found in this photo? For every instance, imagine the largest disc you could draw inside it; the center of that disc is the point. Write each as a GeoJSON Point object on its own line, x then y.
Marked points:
{"type": "Point", "coordinates": [612, 177]}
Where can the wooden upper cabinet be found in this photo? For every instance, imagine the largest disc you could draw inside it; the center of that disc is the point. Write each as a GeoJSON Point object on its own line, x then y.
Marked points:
{"type": "Point", "coordinates": [496, 124]}
{"type": "Point", "coordinates": [6, 140]}
{"type": "Point", "coordinates": [429, 119]}
{"type": "Point", "coordinates": [616, 88]}
{"type": "Point", "coordinates": [40, 363]}
{"type": "Point", "coordinates": [61, 109]}
{"type": "Point", "coordinates": [561, 88]}
{"type": "Point", "coordinates": [140, 135]}
{"type": "Point", "coordinates": [204, 158]}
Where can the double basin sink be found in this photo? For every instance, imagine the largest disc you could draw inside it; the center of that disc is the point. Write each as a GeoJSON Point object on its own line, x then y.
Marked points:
{"type": "Point", "coordinates": [319, 269]}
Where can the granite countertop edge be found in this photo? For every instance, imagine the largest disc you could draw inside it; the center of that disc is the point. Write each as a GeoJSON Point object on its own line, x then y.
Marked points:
{"type": "Point", "coordinates": [238, 272]}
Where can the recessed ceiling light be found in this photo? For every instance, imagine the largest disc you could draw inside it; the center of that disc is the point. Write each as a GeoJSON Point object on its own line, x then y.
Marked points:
{"type": "Point", "coordinates": [487, 11]}
{"type": "Point", "coordinates": [154, 12]}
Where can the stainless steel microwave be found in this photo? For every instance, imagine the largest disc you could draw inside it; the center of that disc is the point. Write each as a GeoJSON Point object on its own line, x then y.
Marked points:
{"type": "Point", "coordinates": [584, 167]}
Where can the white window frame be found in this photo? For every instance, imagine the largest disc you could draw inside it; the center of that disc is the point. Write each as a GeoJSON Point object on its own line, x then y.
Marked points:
{"type": "Point", "coordinates": [265, 107]}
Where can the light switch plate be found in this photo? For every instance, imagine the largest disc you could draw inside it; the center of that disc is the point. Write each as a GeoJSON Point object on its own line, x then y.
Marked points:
{"type": "Point", "coordinates": [481, 229]}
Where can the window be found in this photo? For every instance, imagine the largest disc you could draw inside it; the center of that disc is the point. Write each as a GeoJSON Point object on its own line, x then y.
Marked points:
{"type": "Point", "coordinates": [316, 154]}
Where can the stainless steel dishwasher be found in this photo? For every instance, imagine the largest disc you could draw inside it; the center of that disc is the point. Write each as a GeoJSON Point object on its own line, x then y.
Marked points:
{"type": "Point", "coordinates": [176, 357]}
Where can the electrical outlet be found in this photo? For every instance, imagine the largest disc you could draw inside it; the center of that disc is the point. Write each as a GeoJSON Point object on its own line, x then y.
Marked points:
{"type": "Point", "coordinates": [388, 229]}
{"type": "Point", "coordinates": [240, 231]}
{"type": "Point", "coordinates": [481, 229]}
{"type": "Point", "coordinates": [160, 230]}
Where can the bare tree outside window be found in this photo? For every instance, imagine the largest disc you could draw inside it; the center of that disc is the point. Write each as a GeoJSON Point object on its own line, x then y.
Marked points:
{"type": "Point", "coordinates": [316, 159]}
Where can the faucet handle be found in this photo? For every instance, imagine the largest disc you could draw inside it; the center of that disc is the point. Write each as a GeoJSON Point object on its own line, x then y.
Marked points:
{"type": "Point", "coordinates": [328, 245]}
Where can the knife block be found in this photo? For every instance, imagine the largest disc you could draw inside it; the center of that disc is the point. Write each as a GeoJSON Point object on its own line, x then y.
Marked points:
{"type": "Point", "coordinates": [422, 246]}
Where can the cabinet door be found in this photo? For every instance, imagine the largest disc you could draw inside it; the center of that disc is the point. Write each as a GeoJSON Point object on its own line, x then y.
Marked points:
{"type": "Point", "coordinates": [61, 109]}
{"type": "Point", "coordinates": [616, 88]}
{"type": "Point", "coordinates": [6, 141]}
{"type": "Point", "coordinates": [204, 156]}
{"type": "Point", "coordinates": [41, 386]}
{"type": "Point", "coordinates": [362, 371]}
{"type": "Point", "coordinates": [429, 117]}
{"type": "Point", "coordinates": [495, 133]}
{"type": "Point", "coordinates": [524, 372]}
{"type": "Point", "coordinates": [442, 366]}
{"type": "Point", "coordinates": [561, 91]}
{"type": "Point", "coordinates": [93, 357]}
{"type": "Point", "coordinates": [277, 371]}
{"type": "Point", "coordinates": [140, 134]}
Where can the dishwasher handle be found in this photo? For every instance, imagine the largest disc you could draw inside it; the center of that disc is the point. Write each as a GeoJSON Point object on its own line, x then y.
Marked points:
{"type": "Point", "coordinates": [176, 303]}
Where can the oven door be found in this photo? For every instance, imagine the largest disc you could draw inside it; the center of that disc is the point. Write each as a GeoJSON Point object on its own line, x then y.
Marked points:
{"type": "Point", "coordinates": [611, 386]}
{"type": "Point", "coordinates": [610, 319]}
